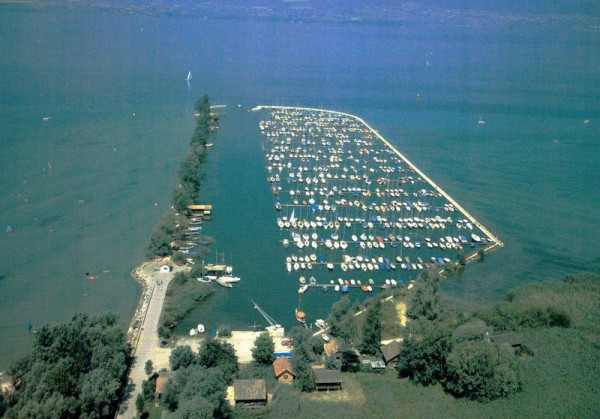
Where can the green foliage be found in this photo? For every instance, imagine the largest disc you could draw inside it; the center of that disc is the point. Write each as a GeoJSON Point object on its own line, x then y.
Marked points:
{"type": "Point", "coordinates": [263, 351]}
{"type": "Point", "coordinates": [473, 330]}
{"type": "Point", "coordinates": [148, 367]}
{"type": "Point", "coordinates": [224, 331]}
{"type": "Point", "coordinates": [426, 301]}
{"type": "Point", "coordinates": [513, 316]}
{"type": "Point", "coordinates": [481, 371]}
{"type": "Point", "coordinates": [215, 353]}
{"type": "Point", "coordinates": [371, 336]}
{"type": "Point", "coordinates": [200, 389]}
{"type": "Point", "coordinates": [316, 345]}
{"type": "Point", "coordinates": [78, 369]}
{"type": "Point", "coordinates": [424, 351]}
{"type": "Point", "coordinates": [149, 388]}
{"type": "Point", "coordinates": [183, 295]}
{"type": "Point", "coordinates": [182, 357]}
{"type": "Point", "coordinates": [305, 377]}
{"type": "Point", "coordinates": [341, 320]}
{"type": "Point", "coordinates": [140, 404]}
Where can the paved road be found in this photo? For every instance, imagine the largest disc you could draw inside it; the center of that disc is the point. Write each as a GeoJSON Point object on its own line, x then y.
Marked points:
{"type": "Point", "coordinates": [148, 342]}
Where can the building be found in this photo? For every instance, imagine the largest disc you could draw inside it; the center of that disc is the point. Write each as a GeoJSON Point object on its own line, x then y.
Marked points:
{"type": "Point", "coordinates": [328, 380]}
{"type": "Point", "coordinates": [283, 371]}
{"type": "Point", "coordinates": [165, 268]}
{"type": "Point", "coordinates": [508, 339]}
{"type": "Point", "coordinates": [250, 393]}
{"type": "Point", "coordinates": [161, 382]}
{"type": "Point", "coordinates": [390, 352]}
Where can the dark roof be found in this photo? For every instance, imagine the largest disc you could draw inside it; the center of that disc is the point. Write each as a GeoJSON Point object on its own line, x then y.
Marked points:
{"type": "Point", "coordinates": [325, 376]}
{"type": "Point", "coordinates": [250, 389]}
{"type": "Point", "coordinates": [390, 351]}
{"type": "Point", "coordinates": [506, 339]}
{"type": "Point", "coordinates": [281, 365]}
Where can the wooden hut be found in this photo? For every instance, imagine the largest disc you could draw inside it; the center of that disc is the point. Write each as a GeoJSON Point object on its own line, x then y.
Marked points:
{"type": "Point", "coordinates": [250, 393]}
{"type": "Point", "coordinates": [328, 380]}
{"type": "Point", "coordinates": [283, 371]}
{"type": "Point", "coordinates": [161, 381]}
{"type": "Point", "coordinates": [390, 352]}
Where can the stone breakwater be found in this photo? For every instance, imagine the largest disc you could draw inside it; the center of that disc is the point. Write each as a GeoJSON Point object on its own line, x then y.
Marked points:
{"type": "Point", "coordinates": [141, 275]}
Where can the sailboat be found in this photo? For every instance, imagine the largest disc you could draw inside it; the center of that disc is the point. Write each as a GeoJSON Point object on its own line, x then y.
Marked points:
{"type": "Point", "coordinates": [189, 77]}
{"type": "Point", "coordinates": [481, 121]}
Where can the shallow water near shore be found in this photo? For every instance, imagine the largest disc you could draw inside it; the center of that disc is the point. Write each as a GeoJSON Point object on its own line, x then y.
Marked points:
{"type": "Point", "coordinates": [84, 189]}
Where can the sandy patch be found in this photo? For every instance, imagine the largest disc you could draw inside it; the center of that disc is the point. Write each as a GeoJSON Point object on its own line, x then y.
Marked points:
{"type": "Point", "coordinates": [401, 310]}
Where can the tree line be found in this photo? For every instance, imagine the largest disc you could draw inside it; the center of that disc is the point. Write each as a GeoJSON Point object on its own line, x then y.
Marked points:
{"type": "Point", "coordinates": [171, 227]}
{"type": "Point", "coordinates": [78, 369]}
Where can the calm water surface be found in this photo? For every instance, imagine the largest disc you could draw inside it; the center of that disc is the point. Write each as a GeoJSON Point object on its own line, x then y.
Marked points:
{"type": "Point", "coordinates": [84, 189]}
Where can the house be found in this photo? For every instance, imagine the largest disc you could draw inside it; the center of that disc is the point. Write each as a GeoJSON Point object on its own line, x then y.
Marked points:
{"type": "Point", "coordinates": [165, 268]}
{"type": "Point", "coordinates": [390, 352]}
{"type": "Point", "coordinates": [506, 339]}
{"type": "Point", "coordinates": [282, 368]}
{"type": "Point", "coordinates": [161, 382]}
{"type": "Point", "coordinates": [328, 380]}
{"type": "Point", "coordinates": [250, 393]}
{"type": "Point", "coordinates": [331, 348]}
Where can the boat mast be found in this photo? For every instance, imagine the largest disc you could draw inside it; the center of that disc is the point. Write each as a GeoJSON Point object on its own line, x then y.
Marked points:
{"type": "Point", "coordinates": [268, 318]}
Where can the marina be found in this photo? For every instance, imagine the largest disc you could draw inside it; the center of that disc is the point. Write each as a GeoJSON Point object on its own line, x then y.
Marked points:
{"type": "Point", "coordinates": [354, 212]}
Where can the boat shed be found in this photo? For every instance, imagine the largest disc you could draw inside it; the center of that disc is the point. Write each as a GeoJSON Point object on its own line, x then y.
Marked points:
{"type": "Point", "coordinates": [283, 371]}
{"type": "Point", "coordinates": [506, 339]}
{"type": "Point", "coordinates": [390, 352]}
{"type": "Point", "coordinates": [250, 393]}
{"type": "Point", "coordinates": [200, 209]}
{"type": "Point", "coordinates": [328, 380]}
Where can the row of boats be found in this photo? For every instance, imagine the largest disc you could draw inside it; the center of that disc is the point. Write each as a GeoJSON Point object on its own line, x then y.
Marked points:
{"type": "Point", "coordinates": [344, 198]}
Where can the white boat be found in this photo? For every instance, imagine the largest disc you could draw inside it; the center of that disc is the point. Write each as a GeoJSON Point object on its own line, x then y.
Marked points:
{"type": "Point", "coordinates": [325, 337]}
{"type": "Point", "coordinates": [201, 328]}
{"type": "Point", "coordinates": [302, 289]}
{"type": "Point", "coordinates": [189, 76]}
{"type": "Point", "coordinates": [230, 279]}
{"type": "Point", "coordinates": [223, 283]}
{"type": "Point", "coordinates": [193, 332]}
{"type": "Point", "coordinates": [321, 323]}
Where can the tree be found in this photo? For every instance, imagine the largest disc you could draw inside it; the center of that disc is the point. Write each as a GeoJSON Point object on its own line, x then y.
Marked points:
{"type": "Point", "coordinates": [371, 336]}
{"type": "Point", "coordinates": [77, 369]}
{"type": "Point", "coordinates": [263, 351]}
{"type": "Point", "coordinates": [423, 353]}
{"type": "Point", "coordinates": [214, 353]}
{"type": "Point", "coordinates": [140, 404]}
{"type": "Point", "coordinates": [341, 320]}
{"type": "Point", "coordinates": [481, 371]}
{"type": "Point", "coordinates": [148, 367]}
{"type": "Point", "coordinates": [426, 302]}
{"type": "Point", "coordinates": [305, 376]}
{"type": "Point", "coordinates": [182, 357]}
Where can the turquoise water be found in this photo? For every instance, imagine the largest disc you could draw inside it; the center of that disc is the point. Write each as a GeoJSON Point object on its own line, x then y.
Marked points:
{"type": "Point", "coordinates": [84, 189]}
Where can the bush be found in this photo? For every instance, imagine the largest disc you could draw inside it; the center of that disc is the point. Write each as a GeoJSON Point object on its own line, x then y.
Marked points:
{"type": "Point", "coordinates": [481, 371]}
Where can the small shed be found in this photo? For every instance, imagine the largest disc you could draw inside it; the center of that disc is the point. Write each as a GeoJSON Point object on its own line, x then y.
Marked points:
{"type": "Point", "coordinates": [283, 371]}
{"type": "Point", "coordinates": [328, 380]}
{"type": "Point", "coordinates": [165, 268]}
{"type": "Point", "coordinates": [506, 339]}
{"type": "Point", "coordinates": [390, 352]}
{"type": "Point", "coordinates": [250, 393]}
{"type": "Point", "coordinates": [331, 348]}
{"type": "Point", "coordinates": [161, 382]}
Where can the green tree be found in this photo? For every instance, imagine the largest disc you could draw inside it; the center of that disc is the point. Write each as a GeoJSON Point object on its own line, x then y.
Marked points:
{"type": "Point", "coordinates": [182, 357]}
{"type": "Point", "coordinates": [214, 353]}
{"type": "Point", "coordinates": [148, 367]}
{"type": "Point", "coordinates": [371, 336]}
{"type": "Point", "coordinates": [263, 351]}
{"type": "Point", "coordinates": [426, 301]}
{"type": "Point", "coordinates": [305, 376]}
{"type": "Point", "coordinates": [423, 353]}
{"type": "Point", "coordinates": [77, 369]}
{"type": "Point", "coordinates": [481, 371]}
{"type": "Point", "coordinates": [341, 320]}
{"type": "Point", "coordinates": [140, 404]}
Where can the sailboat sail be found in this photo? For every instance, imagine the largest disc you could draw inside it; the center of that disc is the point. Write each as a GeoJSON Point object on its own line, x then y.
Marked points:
{"type": "Point", "coordinates": [189, 76]}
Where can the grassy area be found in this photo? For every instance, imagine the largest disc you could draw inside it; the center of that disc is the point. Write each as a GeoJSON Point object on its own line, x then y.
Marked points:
{"type": "Point", "coordinates": [559, 379]}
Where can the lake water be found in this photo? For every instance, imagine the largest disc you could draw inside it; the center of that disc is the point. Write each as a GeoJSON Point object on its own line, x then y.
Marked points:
{"type": "Point", "coordinates": [84, 189]}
